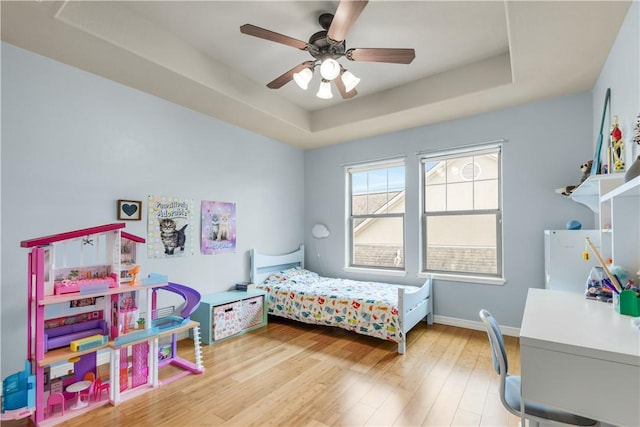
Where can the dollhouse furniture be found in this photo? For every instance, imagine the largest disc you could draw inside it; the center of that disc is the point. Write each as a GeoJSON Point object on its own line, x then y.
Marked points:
{"type": "Point", "coordinates": [98, 388]}
{"type": "Point", "coordinates": [82, 301]}
{"type": "Point", "coordinates": [84, 285]}
{"type": "Point", "coordinates": [78, 388]}
{"type": "Point", "coordinates": [62, 336]}
{"type": "Point", "coordinates": [18, 394]}
{"type": "Point", "coordinates": [53, 400]}
{"type": "Point", "coordinates": [85, 395]}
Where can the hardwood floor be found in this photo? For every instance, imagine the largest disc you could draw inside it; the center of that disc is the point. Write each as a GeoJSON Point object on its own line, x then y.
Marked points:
{"type": "Point", "coordinates": [292, 374]}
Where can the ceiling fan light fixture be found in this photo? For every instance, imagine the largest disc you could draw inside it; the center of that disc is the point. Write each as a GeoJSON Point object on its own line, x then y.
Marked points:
{"type": "Point", "coordinates": [350, 80]}
{"type": "Point", "coordinates": [324, 91]}
{"type": "Point", "coordinates": [329, 69]}
{"type": "Point", "coordinates": [302, 78]}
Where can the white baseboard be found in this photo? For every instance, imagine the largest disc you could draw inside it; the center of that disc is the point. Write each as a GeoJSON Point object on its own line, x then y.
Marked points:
{"type": "Point", "coordinates": [473, 324]}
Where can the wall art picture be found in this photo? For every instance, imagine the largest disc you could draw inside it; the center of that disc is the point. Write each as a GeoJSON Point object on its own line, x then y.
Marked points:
{"type": "Point", "coordinates": [218, 227]}
{"type": "Point", "coordinates": [83, 302]}
{"type": "Point", "coordinates": [170, 227]}
{"type": "Point", "coordinates": [129, 210]}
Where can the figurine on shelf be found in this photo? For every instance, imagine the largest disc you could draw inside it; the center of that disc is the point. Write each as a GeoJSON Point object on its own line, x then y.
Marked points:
{"type": "Point", "coordinates": [634, 170]}
{"type": "Point", "coordinates": [586, 172]}
{"type": "Point", "coordinates": [617, 147]}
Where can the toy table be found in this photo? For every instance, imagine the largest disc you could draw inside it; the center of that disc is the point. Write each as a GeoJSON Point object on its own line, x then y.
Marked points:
{"type": "Point", "coordinates": [77, 388]}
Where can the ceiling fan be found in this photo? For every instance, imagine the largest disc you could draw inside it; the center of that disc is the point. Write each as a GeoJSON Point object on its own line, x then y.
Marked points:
{"type": "Point", "coordinates": [326, 47]}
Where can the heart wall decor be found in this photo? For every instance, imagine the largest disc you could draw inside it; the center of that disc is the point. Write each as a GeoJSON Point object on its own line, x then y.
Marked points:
{"type": "Point", "coordinates": [130, 210]}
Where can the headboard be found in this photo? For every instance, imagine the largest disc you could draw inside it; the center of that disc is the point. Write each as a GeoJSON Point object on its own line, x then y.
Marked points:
{"type": "Point", "coordinates": [263, 265]}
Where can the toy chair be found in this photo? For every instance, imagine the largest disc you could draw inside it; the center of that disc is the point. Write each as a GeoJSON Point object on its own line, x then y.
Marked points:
{"type": "Point", "coordinates": [103, 372]}
{"type": "Point", "coordinates": [86, 394]}
{"type": "Point", "coordinates": [53, 400]}
{"type": "Point", "coordinates": [98, 388]}
{"type": "Point", "coordinates": [510, 384]}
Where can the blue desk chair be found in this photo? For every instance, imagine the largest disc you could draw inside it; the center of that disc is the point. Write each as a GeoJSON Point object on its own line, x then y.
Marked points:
{"type": "Point", "coordinates": [510, 384]}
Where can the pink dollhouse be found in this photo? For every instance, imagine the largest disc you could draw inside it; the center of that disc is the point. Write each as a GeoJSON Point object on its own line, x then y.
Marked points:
{"type": "Point", "coordinates": [84, 313]}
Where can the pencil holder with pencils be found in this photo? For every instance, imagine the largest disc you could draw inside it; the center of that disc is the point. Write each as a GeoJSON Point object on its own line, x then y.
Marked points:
{"type": "Point", "coordinates": [627, 302]}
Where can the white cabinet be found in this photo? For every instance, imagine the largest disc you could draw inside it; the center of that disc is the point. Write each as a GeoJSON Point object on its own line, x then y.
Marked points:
{"type": "Point", "coordinates": [617, 206]}
{"type": "Point", "coordinates": [622, 206]}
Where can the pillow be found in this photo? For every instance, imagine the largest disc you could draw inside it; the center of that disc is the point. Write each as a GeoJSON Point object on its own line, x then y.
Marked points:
{"type": "Point", "coordinates": [299, 272]}
{"type": "Point", "coordinates": [294, 274]}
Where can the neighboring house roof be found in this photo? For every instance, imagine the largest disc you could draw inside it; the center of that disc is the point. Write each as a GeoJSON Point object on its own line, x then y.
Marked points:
{"type": "Point", "coordinates": [377, 203]}
{"type": "Point", "coordinates": [371, 202]}
{"type": "Point", "coordinates": [470, 260]}
{"type": "Point", "coordinates": [377, 255]}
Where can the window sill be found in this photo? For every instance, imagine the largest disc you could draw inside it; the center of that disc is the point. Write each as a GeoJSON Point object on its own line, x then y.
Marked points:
{"type": "Point", "coordinates": [466, 279]}
{"type": "Point", "coordinates": [379, 272]}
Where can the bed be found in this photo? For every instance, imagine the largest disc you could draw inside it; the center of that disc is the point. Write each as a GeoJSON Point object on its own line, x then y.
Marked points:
{"type": "Point", "coordinates": [381, 310]}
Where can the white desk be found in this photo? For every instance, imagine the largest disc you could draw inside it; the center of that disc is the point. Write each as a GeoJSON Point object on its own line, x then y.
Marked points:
{"type": "Point", "coordinates": [581, 356]}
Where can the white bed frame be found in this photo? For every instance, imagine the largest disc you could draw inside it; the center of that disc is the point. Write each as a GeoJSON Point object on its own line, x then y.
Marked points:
{"type": "Point", "coordinates": [413, 306]}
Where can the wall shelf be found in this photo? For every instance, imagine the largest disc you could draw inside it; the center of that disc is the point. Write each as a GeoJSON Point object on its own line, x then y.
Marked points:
{"type": "Point", "coordinates": [628, 189]}
{"type": "Point", "coordinates": [617, 205]}
{"type": "Point", "coordinates": [589, 193]}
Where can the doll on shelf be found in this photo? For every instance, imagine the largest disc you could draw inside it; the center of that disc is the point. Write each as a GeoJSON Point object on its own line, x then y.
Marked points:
{"type": "Point", "coordinates": [617, 146]}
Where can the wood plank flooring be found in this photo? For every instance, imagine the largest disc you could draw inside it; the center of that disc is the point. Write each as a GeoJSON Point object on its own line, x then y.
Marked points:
{"type": "Point", "coordinates": [292, 374]}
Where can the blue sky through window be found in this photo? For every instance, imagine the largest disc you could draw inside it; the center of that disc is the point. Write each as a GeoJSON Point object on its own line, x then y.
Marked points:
{"type": "Point", "coordinates": [378, 180]}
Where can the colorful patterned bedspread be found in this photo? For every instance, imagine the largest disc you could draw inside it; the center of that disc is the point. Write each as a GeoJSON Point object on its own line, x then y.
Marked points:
{"type": "Point", "coordinates": [368, 308]}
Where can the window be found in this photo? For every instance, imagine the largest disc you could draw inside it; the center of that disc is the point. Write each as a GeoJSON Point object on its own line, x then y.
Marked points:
{"type": "Point", "coordinates": [462, 220]}
{"type": "Point", "coordinates": [376, 215]}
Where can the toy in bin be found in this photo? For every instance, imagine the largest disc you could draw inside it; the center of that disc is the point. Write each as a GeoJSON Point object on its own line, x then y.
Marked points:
{"type": "Point", "coordinates": [599, 286]}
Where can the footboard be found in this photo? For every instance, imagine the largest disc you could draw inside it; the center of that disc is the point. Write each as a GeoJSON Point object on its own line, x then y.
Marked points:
{"type": "Point", "coordinates": [413, 306]}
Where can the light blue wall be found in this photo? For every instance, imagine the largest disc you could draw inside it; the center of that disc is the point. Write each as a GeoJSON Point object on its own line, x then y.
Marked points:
{"type": "Point", "coordinates": [621, 73]}
{"type": "Point", "coordinates": [547, 141]}
{"type": "Point", "coordinates": [73, 143]}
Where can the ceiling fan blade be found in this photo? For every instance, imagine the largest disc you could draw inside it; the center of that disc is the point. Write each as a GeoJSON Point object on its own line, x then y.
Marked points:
{"type": "Point", "coordinates": [285, 78]}
{"type": "Point", "coordinates": [346, 14]}
{"type": "Point", "coordinates": [394, 56]}
{"type": "Point", "coordinates": [262, 33]}
{"type": "Point", "coordinates": [343, 90]}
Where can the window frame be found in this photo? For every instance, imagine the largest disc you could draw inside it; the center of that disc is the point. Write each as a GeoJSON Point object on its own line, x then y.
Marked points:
{"type": "Point", "coordinates": [479, 277]}
{"type": "Point", "coordinates": [351, 218]}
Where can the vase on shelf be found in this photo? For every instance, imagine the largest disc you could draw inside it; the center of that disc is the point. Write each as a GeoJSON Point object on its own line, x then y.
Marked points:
{"type": "Point", "coordinates": [633, 171]}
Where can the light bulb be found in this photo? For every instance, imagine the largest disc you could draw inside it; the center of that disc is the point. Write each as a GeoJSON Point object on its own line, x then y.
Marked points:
{"type": "Point", "coordinates": [302, 78]}
{"type": "Point", "coordinates": [350, 81]}
{"type": "Point", "coordinates": [329, 69]}
{"type": "Point", "coordinates": [324, 91]}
